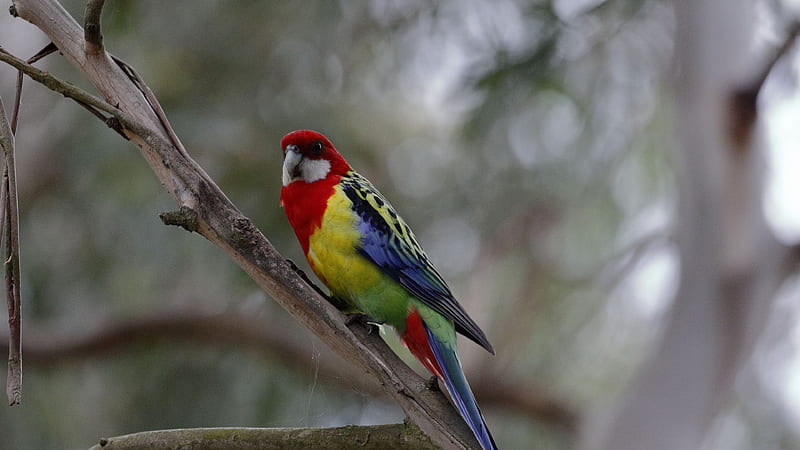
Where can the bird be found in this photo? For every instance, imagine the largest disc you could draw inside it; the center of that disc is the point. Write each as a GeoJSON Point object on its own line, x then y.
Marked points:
{"type": "Point", "coordinates": [370, 260]}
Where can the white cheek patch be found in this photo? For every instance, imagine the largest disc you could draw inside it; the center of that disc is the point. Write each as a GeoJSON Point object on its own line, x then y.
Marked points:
{"type": "Point", "coordinates": [315, 169]}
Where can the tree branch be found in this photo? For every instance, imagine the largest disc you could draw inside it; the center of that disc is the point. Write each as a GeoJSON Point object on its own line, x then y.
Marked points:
{"type": "Point", "coordinates": [44, 346]}
{"type": "Point", "coordinates": [90, 102]}
{"type": "Point", "coordinates": [185, 218]}
{"type": "Point", "coordinates": [49, 48]}
{"type": "Point", "coordinates": [10, 225]}
{"type": "Point", "coordinates": [91, 26]}
{"type": "Point", "coordinates": [220, 222]}
{"type": "Point", "coordinates": [55, 84]}
{"type": "Point", "coordinates": [401, 436]}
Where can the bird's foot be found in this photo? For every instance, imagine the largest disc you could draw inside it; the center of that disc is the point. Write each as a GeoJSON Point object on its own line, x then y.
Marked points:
{"type": "Point", "coordinates": [308, 281]}
{"type": "Point", "coordinates": [432, 384]}
{"type": "Point", "coordinates": [363, 319]}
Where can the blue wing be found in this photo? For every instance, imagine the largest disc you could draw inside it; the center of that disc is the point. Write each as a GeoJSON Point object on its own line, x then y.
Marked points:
{"type": "Point", "coordinates": [389, 243]}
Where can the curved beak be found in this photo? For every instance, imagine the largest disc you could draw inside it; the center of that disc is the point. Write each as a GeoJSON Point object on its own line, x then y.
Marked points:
{"type": "Point", "coordinates": [291, 163]}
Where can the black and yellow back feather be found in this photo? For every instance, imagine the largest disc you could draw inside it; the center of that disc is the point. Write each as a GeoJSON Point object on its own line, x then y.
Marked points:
{"type": "Point", "coordinates": [389, 243]}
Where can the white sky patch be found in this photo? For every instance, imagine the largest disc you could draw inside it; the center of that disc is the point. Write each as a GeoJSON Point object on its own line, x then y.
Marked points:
{"type": "Point", "coordinates": [780, 101]}
{"type": "Point", "coordinates": [792, 5]}
{"type": "Point", "coordinates": [780, 370]}
{"type": "Point", "coordinates": [567, 10]}
{"type": "Point", "coordinates": [652, 282]}
{"type": "Point", "coordinates": [782, 206]}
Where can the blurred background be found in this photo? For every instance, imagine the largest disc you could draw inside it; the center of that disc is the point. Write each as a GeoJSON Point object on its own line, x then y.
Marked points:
{"type": "Point", "coordinates": [528, 143]}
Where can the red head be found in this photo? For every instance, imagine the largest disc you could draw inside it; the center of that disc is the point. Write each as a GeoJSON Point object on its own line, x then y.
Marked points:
{"type": "Point", "coordinates": [309, 156]}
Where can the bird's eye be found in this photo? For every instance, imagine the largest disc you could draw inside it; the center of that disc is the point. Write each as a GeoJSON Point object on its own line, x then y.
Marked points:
{"type": "Point", "coordinates": [317, 146]}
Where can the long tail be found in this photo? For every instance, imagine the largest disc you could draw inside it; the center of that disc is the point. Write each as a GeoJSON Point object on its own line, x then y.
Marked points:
{"type": "Point", "coordinates": [459, 390]}
{"type": "Point", "coordinates": [441, 359]}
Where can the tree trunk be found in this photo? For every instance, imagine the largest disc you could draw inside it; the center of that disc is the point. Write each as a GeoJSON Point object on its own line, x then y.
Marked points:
{"type": "Point", "coordinates": [730, 264]}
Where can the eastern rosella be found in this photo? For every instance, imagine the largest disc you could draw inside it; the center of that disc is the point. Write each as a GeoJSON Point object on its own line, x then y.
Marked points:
{"type": "Point", "coordinates": [370, 260]}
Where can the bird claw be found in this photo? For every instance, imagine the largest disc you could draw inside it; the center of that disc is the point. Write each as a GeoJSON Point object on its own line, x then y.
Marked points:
{"type": "Point", "coordinates": [308, 281]}
{"type": "Point", "coordinates": [432, 384]}
{"type": "Point", "coordinates": [363, 319]}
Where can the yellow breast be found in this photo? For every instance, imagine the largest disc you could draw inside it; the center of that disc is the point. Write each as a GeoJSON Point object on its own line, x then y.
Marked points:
{"type": "Point", "coordinates": [332, 252]}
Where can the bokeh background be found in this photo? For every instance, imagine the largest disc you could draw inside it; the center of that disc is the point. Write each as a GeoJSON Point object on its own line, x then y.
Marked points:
{"type": "Point", "coordinates": [528, 143]}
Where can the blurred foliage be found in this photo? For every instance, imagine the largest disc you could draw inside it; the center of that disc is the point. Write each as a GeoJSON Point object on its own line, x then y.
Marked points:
{"type": "Point", "coordinates": [525, 142]}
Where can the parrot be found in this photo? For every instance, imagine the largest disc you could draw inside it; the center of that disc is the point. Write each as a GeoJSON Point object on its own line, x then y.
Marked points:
{"type": "Point", "coordinates": [368, 257]}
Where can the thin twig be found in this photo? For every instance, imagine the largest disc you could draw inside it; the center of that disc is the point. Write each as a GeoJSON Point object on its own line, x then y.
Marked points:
{"type": "Point", "coordinates": [54, 84]}
{"type": "Point", "coordinates": [49, 48]}
{"type": "Point", "coordinates": [17, 102]}
{"type": "Point", "coordinates": [152, 101]}
{"type": "Point", "coordinates": [9, 220]}
{"type": "Point", "coordinates": [91, 29]}
{"type": "Point", "coordinates": [11, 231]}
{"type": "Point", "coordinates": [119, 119]}
{"type": "Point", "coordinates": [88, 101]}
{"type": "Point", "coordinates": [46, 50]}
